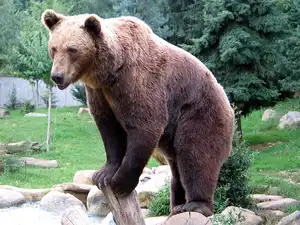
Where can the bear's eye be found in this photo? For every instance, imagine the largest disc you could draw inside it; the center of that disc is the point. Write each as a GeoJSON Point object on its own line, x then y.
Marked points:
{"type": "Point", "coordinates": [72, 51]}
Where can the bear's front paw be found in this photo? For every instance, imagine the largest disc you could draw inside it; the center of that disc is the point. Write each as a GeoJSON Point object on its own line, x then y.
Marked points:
{"type": "Point", "coordinates": [122, 186]}
{"type": "Point", "coordinates": [103, 176]}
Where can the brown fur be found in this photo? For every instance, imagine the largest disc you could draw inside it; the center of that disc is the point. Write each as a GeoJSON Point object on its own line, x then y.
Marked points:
{"type": "Point", "coordinates": [145, 93]}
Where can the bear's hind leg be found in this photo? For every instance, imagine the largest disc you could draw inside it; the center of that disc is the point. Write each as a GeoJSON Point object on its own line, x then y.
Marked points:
{"type": "Point", "coordinates": [200, 152]}
{"type": "Point", "coordinates": [177, 191]}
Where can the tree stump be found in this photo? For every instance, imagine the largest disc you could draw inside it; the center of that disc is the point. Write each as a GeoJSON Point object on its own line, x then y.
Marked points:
{"type": "Point", "coordinates": [125, 210]}
{"type": "Point", "coordinates": [188, 218]}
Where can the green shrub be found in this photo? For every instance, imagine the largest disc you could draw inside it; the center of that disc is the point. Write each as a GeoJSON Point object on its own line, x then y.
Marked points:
{"type": "Point", "coordinates": [160, 204]}
{"type": "Point", "coordinates": [233, 188]}
{"type": "Point", "coordinates": [13, 102]}
{"type": "Point", "coordinates": [78, 92]}
{"type": "Point", "coordinates": [45, 99]}
{"type": "Point", "coordinates": [27, 107]}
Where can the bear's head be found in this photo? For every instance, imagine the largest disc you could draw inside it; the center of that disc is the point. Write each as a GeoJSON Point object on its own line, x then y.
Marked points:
{"type": "Point", "coordinates": [72, 45]}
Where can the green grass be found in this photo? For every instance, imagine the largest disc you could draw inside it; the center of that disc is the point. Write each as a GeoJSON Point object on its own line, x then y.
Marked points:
{"type": "Point", "coordinates": [77, 145]}
{"type": "Point", "coordinates": [275, 170]}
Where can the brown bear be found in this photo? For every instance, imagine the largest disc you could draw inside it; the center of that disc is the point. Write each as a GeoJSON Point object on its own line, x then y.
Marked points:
{"type": "Point", "coordinates": [145, 93]}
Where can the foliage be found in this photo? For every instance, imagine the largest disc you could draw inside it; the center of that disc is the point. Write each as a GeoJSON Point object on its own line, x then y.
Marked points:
{"type": "Point", "coordinates": [79, 94]}
{"type": "Point", "coordinates": [239, 46]}
{"type": "Point", "coordinates": [27, 107]}
{"type": "Point", "coordinates": [160, 203]}
{"type": "Point", "coordinates": [45, 99]}
{"type": "Point", "coordinates": [13, 102]}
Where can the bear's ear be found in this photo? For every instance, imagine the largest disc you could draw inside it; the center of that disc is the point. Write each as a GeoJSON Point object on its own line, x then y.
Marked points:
{"type": "Point", "coordinates": [92, 25]}
{"type": "Point", "coordinates": [50, 18]}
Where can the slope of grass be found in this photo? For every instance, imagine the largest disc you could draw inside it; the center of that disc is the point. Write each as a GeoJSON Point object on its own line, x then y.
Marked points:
{"type": "Point", "coordinates": [276, 170]}
{"type": "Point", "coordinates": [76, 144]}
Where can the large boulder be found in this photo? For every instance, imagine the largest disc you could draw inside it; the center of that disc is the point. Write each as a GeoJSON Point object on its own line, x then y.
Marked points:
{"type": "Point", "coordinates": [10, 198]}
{"type": "Point", "coordinates": [265, 198]}
{"type": "Point", "coordinates": [79, 191]}
{"type": "Point", "coordinates": [269, 114]}
{"type": "Point", "coordinates": [151, 182]}
{"type": "Point", "coordinates": [292, 219]}
{"type": "Point", "coordinates": [291, 119]}
{"type": "Point", "coordinates": [4, 113]}
{"type": "Point", "coordinates": [29, 194]}
{"type": "Point", "coordinates": [58, 202]}
{"type": "Point", "coordinates": [96, 203]}
{"type": "Point", "coordinates": [280, 204]}
{"type": "Point", "coordinates": [239, 216]}
{"type": "Point", "coordinates": [84, 177]}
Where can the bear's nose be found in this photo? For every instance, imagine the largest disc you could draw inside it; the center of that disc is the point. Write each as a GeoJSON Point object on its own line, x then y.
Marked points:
{"type": "Point", "coordinates": [57, 77]}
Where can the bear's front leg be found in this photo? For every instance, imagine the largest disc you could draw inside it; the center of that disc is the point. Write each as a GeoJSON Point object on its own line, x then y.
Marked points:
{"type": "Point", "coordinates": [140, 145]}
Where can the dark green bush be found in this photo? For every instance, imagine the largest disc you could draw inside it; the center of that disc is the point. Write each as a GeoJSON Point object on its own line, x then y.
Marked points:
{"type": "Point", "coordinates": [160, 204]}
{"type": "Point", "coordinates": [78, 92]}
{"type": "Point", "coordinates": [45, 99]}
{"type": "Point", "coordinates": [27, 107]}
{"type": "Point", "coordinates": [233, 188]}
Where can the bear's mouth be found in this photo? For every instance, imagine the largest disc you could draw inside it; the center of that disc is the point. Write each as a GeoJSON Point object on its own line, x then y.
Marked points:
{"type": "Point", "coordinates": [63, 86]}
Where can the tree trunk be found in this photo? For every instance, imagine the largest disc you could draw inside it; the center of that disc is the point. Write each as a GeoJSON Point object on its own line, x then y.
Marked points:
{"type": "Point", "coordinates": [49, 119]}
{"type": "Point", "coordinates": [239, 126]}
{"type": "Point", "coordinates": [126, 210]}
{"type": "Point", "coordinates": [37, 94]}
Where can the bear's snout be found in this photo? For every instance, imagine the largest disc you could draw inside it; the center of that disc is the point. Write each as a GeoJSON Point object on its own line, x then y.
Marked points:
{"type": "Point", "coordinates": [58, 78]}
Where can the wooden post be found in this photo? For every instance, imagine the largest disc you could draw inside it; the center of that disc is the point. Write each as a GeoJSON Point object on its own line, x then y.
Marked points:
{"type": "Point", "coordinates": [125, 210]}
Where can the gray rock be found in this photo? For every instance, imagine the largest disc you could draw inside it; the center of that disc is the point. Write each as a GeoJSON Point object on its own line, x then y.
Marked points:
{"type": "Point", "coordinates": [4, 113]}
{"type": "Point", "coordinates": [155, 220]}
{"type": "Point", "coordinates": [269, 114]}
{"type": "Point", "coordinates": [265, 198]}
{"type": "Point", "coordinates": [292, 219]}
{"type": "Point", "coordinates": [96, 203]}
{"type": "Point", "coordinates": [58, 202]}
{"type": "Point", "coordinates": [36, 115]}
{"type": "Point", "coordinates": [291, 119]}
{"type": "Point", "coordinates": [280, 204]}
{"type": "Point", "coordinates": [84, 177]}
{"type": "Point", "coordinates": [240, 216]}
{"type": "Point", "coordinates": [10, 198]}
{"type": "Point", "coordinates": [108, 220]}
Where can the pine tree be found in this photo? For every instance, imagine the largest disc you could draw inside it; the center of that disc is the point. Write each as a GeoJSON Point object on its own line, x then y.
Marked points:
{"type": "Point", "coordinates": [238, 45]}
{"type": "Point", "coordinates": [155, 15]}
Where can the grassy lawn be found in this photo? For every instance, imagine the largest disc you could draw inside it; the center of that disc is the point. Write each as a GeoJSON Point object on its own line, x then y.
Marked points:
{"type": "Point", "coordinates": [276, 170]}
{"type": "Point", "coordinates": [78, 146]}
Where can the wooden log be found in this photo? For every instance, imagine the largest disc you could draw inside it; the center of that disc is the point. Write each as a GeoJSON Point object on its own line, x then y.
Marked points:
{"type": "Point", "coordinates": [188, 218]}
{"type": "Point", "coordinates": [74, 216]}
{"type": "Point", "coordinates": [125, 210]}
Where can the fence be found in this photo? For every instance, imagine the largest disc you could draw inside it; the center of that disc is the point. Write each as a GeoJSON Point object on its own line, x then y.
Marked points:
{"type": "Point", "coordinates": [25, 91]}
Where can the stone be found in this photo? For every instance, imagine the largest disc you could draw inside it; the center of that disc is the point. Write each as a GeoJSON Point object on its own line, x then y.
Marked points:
{"type": "Point", "coordinates": [280, 204]}
{"type": "Point", "coordinates": [40, 162]}
{"type": "Point", "coordinates": [84, 177]}
{"type": "Point", "coordinates": [4, 113]}
{"type": "Point", "coordinates": [29, 194]}
{"type": "Point", "coordinates": [35, 146]}
{"type": "Point", "coordinates": [58, 202]}
{"type": "Point", "coordinates": [83, 110]}
{"type": "Point", "coordinates": [96, 203]}
{"type": "Point", "coordinates": [151, 183]}
{"type": "Point", "coordinates": [271, 215]}
{"type": "Point", "coordinates": [265, 198]}
{"type": "Point", "coordinates": [292, 219]}
{"type": "Point", "coordinates": [10, 198]}
{"type": "Point", "coordinates": [145, 212]}
{"type": "Point", "coordinates": [17, 147]}
{"type": "Point", "coordinates": [74, 216]}
{"type": "Point", "coordinates": [241, 216]}
{"type": "Point", "coordinates": [155, 220]}
{"type": "Point", "coordinates": [291, 119]}
{"type": "Point", "coordinates": [188, 218]}
{"type": "Point", "coordinates": [269, 114]}
{"type": "Point", "coordinates": [79, 191]}
{"type": "Point", "coordinates": [35, 115]}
